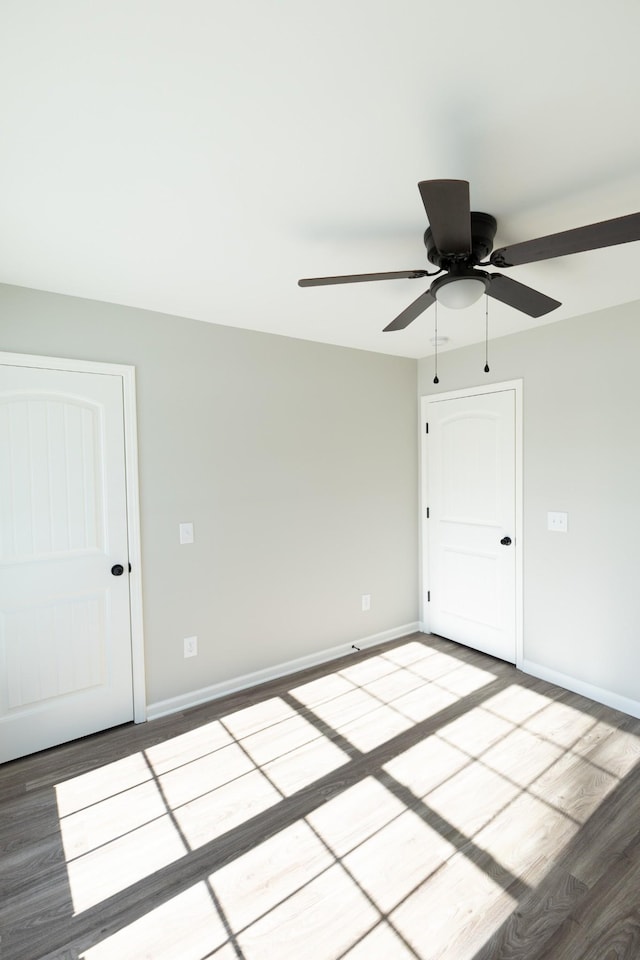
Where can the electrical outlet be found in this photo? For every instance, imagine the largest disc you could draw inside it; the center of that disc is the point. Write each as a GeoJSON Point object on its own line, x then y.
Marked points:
{"type": "Point", "coordinates": [366, 601]}
{"type": "Point", "coordinates": [191, 647]}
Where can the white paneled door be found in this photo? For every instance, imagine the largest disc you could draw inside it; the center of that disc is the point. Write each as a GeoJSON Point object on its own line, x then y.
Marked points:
{"type": "Point", "coordinates": [65, 630]}
{"type": "Point", "coordinates": [471, 530]}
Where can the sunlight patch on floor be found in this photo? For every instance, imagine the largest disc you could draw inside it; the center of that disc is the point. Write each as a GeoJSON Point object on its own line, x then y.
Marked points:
{"type": "Point", "coordinates": [277, 741]}
{"type": "Point", "coordinates": [423, 703]}
{"type": "Point", "coordinates": [346, 707]}
{"type": "Point", "coordinates": [376, 728]}
{"type": "Point", "coordinates": [192, 745]}
{"type": "Point", "coordinates": [475, 731]}
{"type": "Point", "coordinates": [526, 837]}
{"type": "Point", "coordinates": [105, 821]}
{"type": "Point", "coordinates": [516, 703]}
{"type": "Point", "coordinates": [521, 757]}
{"type": "Point", "coordinates": [574, 784]}
{"type": "Point", "coordinates": [388, 867]}
{"type": "Point", "coordinates": [393, 685]}
{"type": "Point", "coordinates": [302, 767]}
{"type": "Point", "coordinates": [465, 680]}
{"type": "Point", "coordinates": [413, 681]}
{"type": "Point", "coordinates": [363, 672]}
{"type": "Point", "coordinates": [100, 784]}
{"type": "Point", "coordinates": [227, 952]}
{"type": "Point", "coordinates": [438, 919]}
{"type": "Point", "coordinates": [257, 717]}
{"type": "Point", "coordinates": [561, 724]}
{"type": "Point", "coordinates": [187, 927]}
{"type": "Point", "coordinates": [397, 859]}
{"type": "Point", "coordinates": [424, 766]}
{"type": "Point", "coordinates": [256, 882]}
{"type": "Point", "coordinates": [110, 869]}
{"type": "Point", "coordinates": [471, 798]}
{"type": "Point", "coordinates": [324, 688]}
{"type": "Point", "coordinates": [382, 943]}
{"type": "Point", "coordinates": [192, 780]}
{"type": "Point", "coordinates": [355, 815]}
{"type": "Point", "coordinates": [435, 666]}
{"type": "Point", "coordinates": [231, 805]}
{"type": "Point", "coordinates": [617, 756]}
{"type": "Point", "coordinates": [321, 920]}
{"type": "Point", "coordinates": [408, 653]}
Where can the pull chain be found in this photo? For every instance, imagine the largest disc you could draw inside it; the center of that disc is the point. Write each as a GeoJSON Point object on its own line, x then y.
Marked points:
{"type": "Point", "coordinates": [435, 379]}
{"type": "Point", "coordinates": [486, 335]}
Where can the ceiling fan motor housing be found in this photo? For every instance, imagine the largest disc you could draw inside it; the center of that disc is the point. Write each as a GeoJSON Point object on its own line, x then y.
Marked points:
{"type": "Point", "coordinates": [483, 231]}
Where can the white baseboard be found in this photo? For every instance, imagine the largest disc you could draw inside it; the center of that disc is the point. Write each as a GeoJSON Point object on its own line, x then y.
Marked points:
{"type": "Point", "coordinates": [599, 694]}
{"type": "Point", "coordinates": [196, 697]}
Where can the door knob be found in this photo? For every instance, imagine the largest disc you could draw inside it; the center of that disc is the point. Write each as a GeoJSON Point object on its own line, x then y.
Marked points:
{"type": "Point", "coordinates": [117, 569]}
{"type": "Point", "coordinates": [506, 541]}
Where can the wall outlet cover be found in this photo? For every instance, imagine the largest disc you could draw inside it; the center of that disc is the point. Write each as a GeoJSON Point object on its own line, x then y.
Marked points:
{"type": "Point", "coordinates": [191, 647]}
{"type": "Point", "coordinates": [186, 533]}
{"type": "Point", "coordinates": [557, 521]}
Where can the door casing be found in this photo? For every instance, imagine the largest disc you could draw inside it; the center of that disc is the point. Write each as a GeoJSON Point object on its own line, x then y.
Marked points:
{"type": "Point", "coordinates": [127, 375]}
{"type": "Point", "coordinates": [425, 401]}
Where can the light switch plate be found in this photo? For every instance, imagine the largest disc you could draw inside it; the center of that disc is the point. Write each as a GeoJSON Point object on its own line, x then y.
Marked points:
{"type": "Point", "coordinates": [191, 646]}
{"type": "Point", "coordinates": [186, 533]}
{"type": "Point", "coordinates": [557, 522]}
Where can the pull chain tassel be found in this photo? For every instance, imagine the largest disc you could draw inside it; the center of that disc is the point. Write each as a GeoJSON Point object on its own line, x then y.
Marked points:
{"type": "Point", "coordinates": [435, 379]}
{"type": "Point", "coordinates": [486, 334]}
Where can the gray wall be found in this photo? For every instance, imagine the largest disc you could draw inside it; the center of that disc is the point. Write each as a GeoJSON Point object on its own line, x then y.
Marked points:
{"type": "Point", "coordinates": [297, 463]}
{"type": "Point", "coordinates": [581, 455]}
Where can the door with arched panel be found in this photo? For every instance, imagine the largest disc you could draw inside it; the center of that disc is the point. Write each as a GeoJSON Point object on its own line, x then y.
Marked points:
{"type": "Point", "coordinates": [65, 626]}
{"type": "Point", "coordinates": [471, 529]}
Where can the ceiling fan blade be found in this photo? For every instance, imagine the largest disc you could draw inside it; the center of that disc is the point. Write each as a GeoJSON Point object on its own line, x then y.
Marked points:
{"type": "Point", "coordinates": [449, 213]}
{"type": "Point", "coordinates": [608, 233]}
{"type": "Point", "coordinates": [363, 278]}
{"type": "Point", "coordinates": [517, 295]}
{"type": "Point", "coordinates": [414, 310]}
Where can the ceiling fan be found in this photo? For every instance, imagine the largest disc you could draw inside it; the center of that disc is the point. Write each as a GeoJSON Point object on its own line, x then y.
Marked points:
{"type": "Point", "coordinates": [458, 241]}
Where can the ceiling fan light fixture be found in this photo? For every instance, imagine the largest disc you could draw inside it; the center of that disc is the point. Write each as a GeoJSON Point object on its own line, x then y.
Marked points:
{"type": "Point", "coordinates": [456, 293]}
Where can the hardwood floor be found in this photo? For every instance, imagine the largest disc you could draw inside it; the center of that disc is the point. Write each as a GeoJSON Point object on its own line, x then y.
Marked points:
{"type": "Point", "coordinates": [417, 800]}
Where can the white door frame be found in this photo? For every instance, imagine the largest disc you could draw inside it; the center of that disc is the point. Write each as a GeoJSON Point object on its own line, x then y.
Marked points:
{"type": "Point", "coordinates": [425, 401]}
{"type": "Point", "coordinates": [128, 377]}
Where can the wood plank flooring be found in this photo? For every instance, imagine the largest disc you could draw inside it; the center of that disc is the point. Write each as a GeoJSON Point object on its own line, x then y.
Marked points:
{"type": "Point", "coordinates": [417, 801]}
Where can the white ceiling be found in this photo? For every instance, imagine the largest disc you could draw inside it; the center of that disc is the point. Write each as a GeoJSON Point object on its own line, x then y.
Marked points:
{"type": "Point", "coordinates": [197, 157]}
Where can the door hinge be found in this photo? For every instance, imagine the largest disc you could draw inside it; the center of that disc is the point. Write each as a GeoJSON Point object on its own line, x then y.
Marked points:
{"type": "Point", "coordinates": [428, 596]}
{"type": "Point", "coordinates": [426, 428]}
{"type": "Point", "coordinates": [129, 568]}
{"type": "Point", "coordinates": [427, 513]}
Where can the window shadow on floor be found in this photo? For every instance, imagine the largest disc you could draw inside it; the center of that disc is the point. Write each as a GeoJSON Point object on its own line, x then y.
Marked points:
{"type": "Point", "coordinates": [419, 800]}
